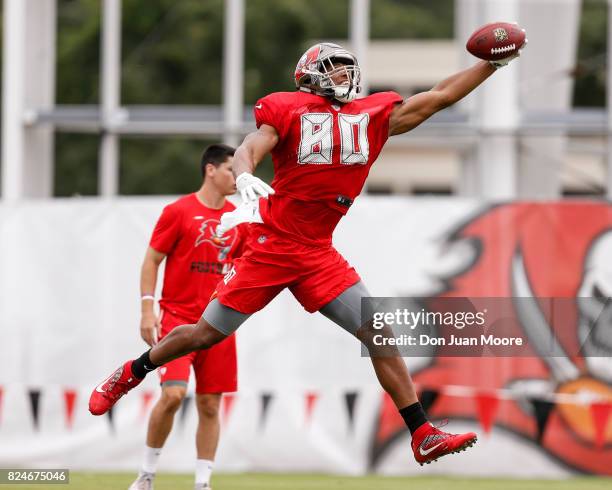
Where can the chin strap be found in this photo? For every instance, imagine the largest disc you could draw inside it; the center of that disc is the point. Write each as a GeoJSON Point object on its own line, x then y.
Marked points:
{"type": "Point", "coordinates": [347, 95]}
{"type": "Point", "coordinates": [331, 93]}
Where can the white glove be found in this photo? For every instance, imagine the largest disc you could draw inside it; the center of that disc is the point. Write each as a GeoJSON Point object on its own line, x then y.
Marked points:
{"type": "Point", "coordinates": [504, 61]}
{"type": "Point", "coordinates": [252, 188]}
{"type": "Point", "coordinates": [247, 212]}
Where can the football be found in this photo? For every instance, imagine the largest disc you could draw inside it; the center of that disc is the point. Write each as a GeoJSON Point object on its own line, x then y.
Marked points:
{"type": "Point", "coordinates": [496, 41]}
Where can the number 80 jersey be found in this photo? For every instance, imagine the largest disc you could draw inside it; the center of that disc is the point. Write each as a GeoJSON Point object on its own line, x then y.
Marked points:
{"type": "Point", "coordinates": [322, 159]}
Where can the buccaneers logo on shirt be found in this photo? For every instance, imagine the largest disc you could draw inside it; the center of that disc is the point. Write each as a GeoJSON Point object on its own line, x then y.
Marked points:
{"type": "Point", "coordinates": [207, 235]}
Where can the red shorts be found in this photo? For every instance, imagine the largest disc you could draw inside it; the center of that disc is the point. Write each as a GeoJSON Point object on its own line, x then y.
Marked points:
{"type": "Point", "coordinates": [272, 262]}
{"type": "Point", "coordinates": [216, 369]}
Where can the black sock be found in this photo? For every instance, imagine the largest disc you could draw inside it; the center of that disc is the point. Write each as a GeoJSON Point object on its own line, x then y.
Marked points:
{"type": "Point", "coordinates": [143, 365]}
{"type": "Point", "coordinates": [414, 416]}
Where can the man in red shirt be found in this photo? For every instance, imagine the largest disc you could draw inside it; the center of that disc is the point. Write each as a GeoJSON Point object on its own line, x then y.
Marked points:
{"type": "Point", "coordinates": [195, 262]}
{"type": "Point", "coordinates": [323, 142]}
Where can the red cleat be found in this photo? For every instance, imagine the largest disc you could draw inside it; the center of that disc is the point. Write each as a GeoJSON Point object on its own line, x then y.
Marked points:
{"type": "Point", "coordinates": [111, 389]}
{"type": "Point", "coordinates": [429, 443]}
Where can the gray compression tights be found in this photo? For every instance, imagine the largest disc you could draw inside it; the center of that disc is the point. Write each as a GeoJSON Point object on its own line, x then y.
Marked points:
{"type": "Point", "coordinates": [344, 310]}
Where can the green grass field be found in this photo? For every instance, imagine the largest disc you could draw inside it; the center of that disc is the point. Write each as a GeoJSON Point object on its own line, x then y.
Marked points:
{"type": "Point", "coordinates": [110, 481]}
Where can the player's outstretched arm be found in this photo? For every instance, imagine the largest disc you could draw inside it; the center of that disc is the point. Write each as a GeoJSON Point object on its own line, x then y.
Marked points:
{"type": "Point", "coordinates": [248, 155]}
{"type": "Point", "coordinates": [418, 108]}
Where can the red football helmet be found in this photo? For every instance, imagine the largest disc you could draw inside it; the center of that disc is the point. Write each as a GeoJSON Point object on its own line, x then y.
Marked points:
{"type": "Point", "coordinates": [323, 62]}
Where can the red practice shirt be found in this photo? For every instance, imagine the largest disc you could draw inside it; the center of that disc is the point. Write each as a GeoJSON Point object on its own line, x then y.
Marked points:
{"type": "Point", "coordinates": [322, 159]}
{"type": "Point", "coordinates": [194, 262]}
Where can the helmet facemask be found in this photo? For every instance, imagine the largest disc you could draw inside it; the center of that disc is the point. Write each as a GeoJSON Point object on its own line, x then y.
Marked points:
{"type": "Point", "coordinates": [334, 73]}
{"type": "Point", "coordinates": [346, 71]}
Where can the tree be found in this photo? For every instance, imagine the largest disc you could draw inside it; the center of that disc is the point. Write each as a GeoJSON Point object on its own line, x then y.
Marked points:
{"type": "Point", "coordinates": [172, 54]}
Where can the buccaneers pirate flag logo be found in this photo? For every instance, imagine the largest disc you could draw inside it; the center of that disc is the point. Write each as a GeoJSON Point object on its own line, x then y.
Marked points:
{"type": "Point", "coordinates": [534, 251]}
{"type": "Point", "coordinates": [207, 235]}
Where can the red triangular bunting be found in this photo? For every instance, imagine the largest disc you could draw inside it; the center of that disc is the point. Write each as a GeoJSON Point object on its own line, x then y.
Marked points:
{"type": "Point", "coordinates": [389, 421]}
{"type": "Point", "coordinates": [69, 401]}
{"type": "Point", "coordinates": [487, 404]}
{"type": "Point", "coordinates": [227, 404]}
{"type": "Point", "coordinates": [390, 426]}
{"type": "Point", "coordinates": [147, 396]}
{"type": "Point", "coordinates": [311, 400]}
{"type": "Point", "coordinates": [600, 412]}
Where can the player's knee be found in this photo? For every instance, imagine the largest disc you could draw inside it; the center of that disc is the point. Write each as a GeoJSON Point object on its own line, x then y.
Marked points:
{"type": "Point", "coordinates": [203, 340]}
{"type": "Point", "coordinates": [208, 406]}
{"type": "Point", "coordinates": [172, 397]}
{"type": "Point", "coordinates": [206, 336]}
{"type": "Point", "coordinates": [363, 334]}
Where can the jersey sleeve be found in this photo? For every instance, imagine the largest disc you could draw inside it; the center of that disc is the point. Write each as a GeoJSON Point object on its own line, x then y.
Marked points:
{"type": "Point", "coordinates": [270, 110]}
{"type": "Point", "coordinates": [167, 230]}
{"type": "Point", "coordinates": [390, 100]}
{"type": "Point", "coordinates": [384, 102]}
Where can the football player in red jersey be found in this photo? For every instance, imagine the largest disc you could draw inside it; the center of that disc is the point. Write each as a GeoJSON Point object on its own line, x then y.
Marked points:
{"type": "Point", "coordinates": [195, 262]}
{"type": "Point", "coordinates": [323, 141]}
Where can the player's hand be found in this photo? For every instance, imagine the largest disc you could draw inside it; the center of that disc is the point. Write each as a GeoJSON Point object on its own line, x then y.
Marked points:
{"type": "Point", "coordinates": [247, 212]}
{"type": "Point", "coordinates": [503, 62]}
{"type": "Point", "coordinates": [251, 188]}
{"type": "Point", "coordinates": [150, 328]}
